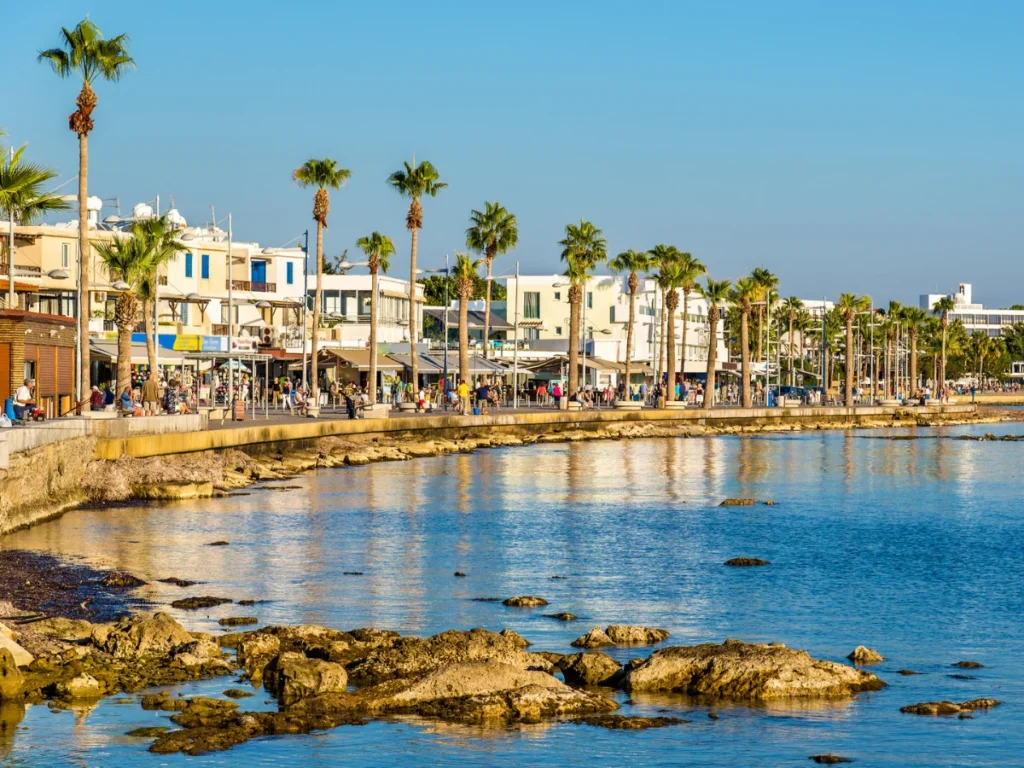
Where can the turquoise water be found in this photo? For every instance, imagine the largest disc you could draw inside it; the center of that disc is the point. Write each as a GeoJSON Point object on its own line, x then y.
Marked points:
{"type": "Point", "coordinates": [912, 547]}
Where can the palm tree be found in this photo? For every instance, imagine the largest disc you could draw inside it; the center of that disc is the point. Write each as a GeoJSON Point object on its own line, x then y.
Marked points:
{"type": "Point", "coordinates": [803, 323]}
{"type": "Point", "coordinates": [767, 282]}
{"type": "Point", "coordinates": [415, 181]}
{"type": "Point", "coordinates": [583, 248]}
{"type": "Point", "coordinates": [791, 307]}
{"type": "Point", "coordinates": [980, 346]}
{"type": "Point", "coordinates": [465, 275]}
{"type": "Point", "coordinates": [160, 242]}
{"type": "Point", "coordinates": [22, 196]}
{"type": "Point", "coordinates": [669, 281]}
{"type": "Point", "coordinates": [744, 293]}
{"type": "Point", "coordinates": [690, 270]}
{"type": "Point", "coordinates": [914, 317]}
{"type": "Point", "coordinates": [129, 259]}
{"type": "Point", "coordinates": [716, 293]}
{"type": "Point", "coordinates": [90, 56]}
{"type": "Point", "coordinates": [942, 308]}
{"type": "Point", "coordinates": [632, 262]}
{"type": "Point", "coordinates": [378, 249]}
{"type": "Point", "coordinates": [849, 306]}
{"type": "Point", "coordinates": [323, 175]}
{"type": "Point", "coordinates": [494, 231]}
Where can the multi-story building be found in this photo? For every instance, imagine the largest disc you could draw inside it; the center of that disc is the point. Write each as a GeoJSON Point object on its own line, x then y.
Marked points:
{"type": "Point", "coordinates": [544, 317]}
{"type": "Point", "coordinates": [974, 317]}
{"type": "Point", "coordinates": [345, 308]}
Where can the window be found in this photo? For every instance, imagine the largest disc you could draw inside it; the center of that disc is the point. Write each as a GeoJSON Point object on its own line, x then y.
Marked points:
{"type": "Point", "coordinates": [184, 313]}
{"type": "Point", "coordinates": [590, 299]}
{"type": "Point", "coordinates": [204, 268]}
{"type": "Point", "coordinates": [531, 305]}
{"type": "Point", "coordinates": [558, 330]}
{"type": "Point", "coordinates": [188, 265]}
{"type": "Point", "coordinates": [558, 295]}
{"type": "Point", "coordinates": [64, 249]}
{"type": "Point", "coordinates": [290, 272]}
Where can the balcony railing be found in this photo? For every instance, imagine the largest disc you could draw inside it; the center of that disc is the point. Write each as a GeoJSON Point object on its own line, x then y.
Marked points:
{"type": "Point", "coordinates": [249, 285]}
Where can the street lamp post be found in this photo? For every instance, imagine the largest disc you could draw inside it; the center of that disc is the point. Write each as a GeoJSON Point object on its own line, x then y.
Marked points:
{"type": "Point", "coordinates": [515, 336]}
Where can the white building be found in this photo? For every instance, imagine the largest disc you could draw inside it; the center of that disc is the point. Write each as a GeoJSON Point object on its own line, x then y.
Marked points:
{"type": "Point", "coordinates": [345, 304]}
{"type": "Point", "coordinates": [543, 311]}
{"type": "Point", "coordinates": [974, 317]}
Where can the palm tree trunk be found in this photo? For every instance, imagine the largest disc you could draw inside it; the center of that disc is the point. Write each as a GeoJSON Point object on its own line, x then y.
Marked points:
{"type": "Point", "coordinates": [575, 295]}
{"type": "Point", "coordinates": [84, 252]}
{"type": "Point", "coordinates": [412, 309]}
{"type": "Point", "coordinates": [661, 331]}
{"type": "Point", "coordinates": [373, 337]}
{"type": "Point", "coordinates": [748, 399]}
{"type": "Point", "coordinates": [686, 307]}
{"type": "Point", "coordinates": [670, 385]}
{"type": "Point", "coordinates": [487, 307]}
{"type": "Point", "coordinates": [314, 362]}
{"type": "Point", "coordinates": [464, 372]}
{"type": "Point", "coordinates": [147, 316]}
{"type": "Point", "coordinates": [629, 341]}
{"type": "Point", "coordinates": [709, 388]}
{"type": "Point", "coordinates": [942, 368]}
{"type": "Point", "coordinates": [850, 356]}
{"type": "Point", "coordinates": [792, 370]}
{"type": "Point", "coordinates": [913, 363]}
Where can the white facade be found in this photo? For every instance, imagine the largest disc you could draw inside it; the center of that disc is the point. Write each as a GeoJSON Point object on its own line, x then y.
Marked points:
{"type": "Point", "coordinates": [543, 307]}
{"type": "Point", "coordinates": [975, 317]}
{"type": "Point", "coordinates": [345, 304]}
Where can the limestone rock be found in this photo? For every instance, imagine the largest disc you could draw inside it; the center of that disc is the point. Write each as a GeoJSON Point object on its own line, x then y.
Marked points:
{"type": "Point", "coordinates": [292, 676]}
{"type": "Point", "coordinates": [747, 671]}
{"type": "Point", "coordinates": [593, 668]}
{"type": "Point", "coordinates": [746, 562]}
{"type": "Point", "coordinates": [194, 603]}
{"type": "Point", "coordinates": [524, 601]}
{"type": "Point", "coordinates": [142, 636]}
{"type": "Point", "coordinates": [863, 655]}
{"type": "Point", "coordinates": [121, 580]}
{"type": "Point", "coordinates": [949, 707]}
{"type": "Point", "coordinates": [83, 686]}
{"type": "Point", "coordinates": [68, 630]}
{"type": "Point", "coordinates": [10, 676]}
{"type": "Point", "coordinates": [595, 638]}
{"type": "Point", "coordinates": [22, 658]}
{"type": "Point", "coordinates": [564, 616]}
{"type": "Point", "coordinates": [628, 723]}
{"type": "Point", "coordinates": [738, 503]}
{"type": "Point", "coordinates": [413, 656]}
{"type": "Point", "coordinates": [202, 650]}
{"type": "Point", "coordinates": [518, 640]}
{"type": "Point", "coordinates": [969, 665]}
{"type": "Point", "coordinates": [625, 634]}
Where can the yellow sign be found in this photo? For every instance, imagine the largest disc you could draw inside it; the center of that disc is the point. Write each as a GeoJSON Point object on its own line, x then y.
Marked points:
{"type": "Point", "coordinates": [189, 343]}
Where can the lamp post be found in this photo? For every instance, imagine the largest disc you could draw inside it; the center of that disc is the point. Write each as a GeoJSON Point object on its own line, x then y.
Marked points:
{"type": "Point", "coordinates": [305, 300]}
{"type": "Point", "coordinates": [515, 335]}
{"type": "Point", "coordinates": [447, 301]}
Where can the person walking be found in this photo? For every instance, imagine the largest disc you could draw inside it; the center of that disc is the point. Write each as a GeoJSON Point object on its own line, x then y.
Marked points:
{"type": "Point", "coordinates": [151, 395]}
{"type": "Point", "coordinates": [463, 397]}
{"type": "Point", "coordinates": [556, 395]}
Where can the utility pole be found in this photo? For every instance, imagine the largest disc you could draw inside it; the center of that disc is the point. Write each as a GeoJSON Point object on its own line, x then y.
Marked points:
{"type": "Point", "coordinates": [515, 349]}
{"type": "Point", "coordinates": [231, 325]}
{"type": "Point", "coordinates": [305, 301]}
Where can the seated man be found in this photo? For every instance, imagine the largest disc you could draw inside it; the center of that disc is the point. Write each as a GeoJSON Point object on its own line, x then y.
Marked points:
{"type": "Point", "coordinates": [24, 403]}
{"type": "Point", "coordinates": [96, 399]}
{"type": "Point", "coordinates": [128, 406]}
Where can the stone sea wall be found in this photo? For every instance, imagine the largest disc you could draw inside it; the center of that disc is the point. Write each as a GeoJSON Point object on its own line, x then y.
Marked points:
{"type": "Point", "coordinates": [45, 482]}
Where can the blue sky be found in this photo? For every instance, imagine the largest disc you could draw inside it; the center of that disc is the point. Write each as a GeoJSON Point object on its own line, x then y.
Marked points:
{"type": "Point", "coordinates": [872, 147]}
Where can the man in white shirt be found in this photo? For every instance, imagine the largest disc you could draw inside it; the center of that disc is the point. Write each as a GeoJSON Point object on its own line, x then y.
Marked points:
{"type": "Point", "coordinates": [23, 399]}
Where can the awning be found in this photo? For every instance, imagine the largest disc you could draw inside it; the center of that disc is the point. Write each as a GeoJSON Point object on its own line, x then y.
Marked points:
{"type": "Point", "coordinates": [5, 285]}
{"type": "Point", "coordinates": [360, 359]}
{"type": "Point", "coordinates": [428, 364]}
{"type": "Point", "coordinates": [475, 319]}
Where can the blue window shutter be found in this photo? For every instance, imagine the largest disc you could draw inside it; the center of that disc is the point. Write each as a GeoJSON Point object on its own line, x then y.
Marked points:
{"type": "Point", "coordinates": [290, 270]}
{"type": "Point", "coordinates": [188, 265]}
{"type": "Point", "coordinates": [205, 274]}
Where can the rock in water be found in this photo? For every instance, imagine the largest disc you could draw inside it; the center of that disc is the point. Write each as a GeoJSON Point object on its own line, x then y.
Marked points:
{"type": "Point", "coordinates": [740, 670]}
{"type": "Point", "coordinates": [829, 759]}
{"type": "Point", "coordinates": [22, 658]}
{"type": "Point", "coordinates": [593, 668]}
{"type": "Point", "coordinates": [237, 621]}
{"type": "Point", "coordinates": [518, 640]}
{"type": "Point", "coordinates": [863, 655]}
{"type": "Point", "coordinates": [121, 580]}
{"type": "Point", "coordinates": [81, 686]}
{"type": "Point", "coordinates": [194, 603]}
{"type": "Point", "coordinates": [564, 616]}
{"type": "Point", "coordinates": [746, 562]}
{"type": "Point", "coordinates": [907, 672]}
{"type": "Point", "coordinates": [140, 636]}
{"type": "Point", "coordinates": [412, 656]}
{"type": "Point", "coordinates": [595, 638]}
{"type": "Point", "coordinates": [10, 676]}
{"type": "Point", "coordinates": [969, 665]}
{"type": "Point", "coordinates": [738, 503]}
{"type": "Point", "coordinates": [949, 707]}
{"type": "Point", "coordinates": [626, 634]}
{"type": "Point", "coordinates": [292, 676]}
{"type": "Point", "coordinates": [524, 601]}
{"type": "Point", "coordinates": [622, 722]}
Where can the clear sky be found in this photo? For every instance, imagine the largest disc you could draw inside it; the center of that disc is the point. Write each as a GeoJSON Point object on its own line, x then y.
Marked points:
{"type": "Point", "coordinates": [873, 147]}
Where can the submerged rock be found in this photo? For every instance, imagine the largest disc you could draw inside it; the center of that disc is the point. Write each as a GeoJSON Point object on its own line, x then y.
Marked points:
{"type": "Point", "coordinates": [148, 732]}
{"type": "Point", "coordinates": [907, 672]}
{"type": "Point", "coordinates": [746, 561]}
{"type": "Point", "coordinates": [524, 601]}
{"type": "Point", "coordinates": [829, 759]}
{"type": "Point", "coordinates": [949, 707]}
{"type": "Point", "coordinates": [194, 603]}
{"type": "Point", "coordinates": [595, 638]}
{"type": "Point", "coordinates": [746, 671]}
{"type": "Point", "coordinates": [630, 723]}
{"type": "Point", "coordinates": [238, 621]}
{"type": "Point", "coordinates": [83, 686]}
{"type": "Point", "coordinates": [738, 503]}
{"type": "Point", "coordinates": [121, 580]}
{"type": "Point", "coordinates": [238, 693]}
{"type": "Point", "coordinates": [592, 668]}
{"type": "Point", "coordinates": [178, 582]}
{"type": "Point", "coordinates": [412, 656]}
{"type": "Point", "coordinates": [564, 616]}
{"type": "Point", "coordinates": [218, 543]}
{"type": "Point", "coordinates": [864, 655]}
{"type": "Point", "coordinates": [969, 665]}
{"type": "Point", "coordinates": [140, 636]}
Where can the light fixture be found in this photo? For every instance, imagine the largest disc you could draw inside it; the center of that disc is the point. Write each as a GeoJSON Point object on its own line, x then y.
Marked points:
{"type": "Point", "coordinates": [57, 274]}
{"type": "Point", "coordinates": [193, 297]}
{"type": "Point", "coordinates": [121, 285]}
{"type": "Point", "coordinates": [264, 304]}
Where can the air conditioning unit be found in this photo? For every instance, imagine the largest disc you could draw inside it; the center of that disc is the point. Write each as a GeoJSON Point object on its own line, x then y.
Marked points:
{"type": "Point", "coordinates": [267, 337]}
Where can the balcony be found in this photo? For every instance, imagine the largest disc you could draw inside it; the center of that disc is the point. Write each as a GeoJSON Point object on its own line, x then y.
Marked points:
{"type": "Point", "coordinates": [249, 285]}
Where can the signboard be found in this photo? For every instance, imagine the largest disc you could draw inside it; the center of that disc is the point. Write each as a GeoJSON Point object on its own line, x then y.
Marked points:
{"type": "Point", "coordinates": [214, 344]}
{"type": "Point", "coordinates": [187, 343]}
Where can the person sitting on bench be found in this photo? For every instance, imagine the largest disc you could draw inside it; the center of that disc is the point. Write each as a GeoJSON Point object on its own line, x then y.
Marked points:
{"type": "Point", "coordinates": [24, 403]}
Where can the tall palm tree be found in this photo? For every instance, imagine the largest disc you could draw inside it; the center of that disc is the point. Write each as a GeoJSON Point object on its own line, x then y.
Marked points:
{"type": "Point", "coordinates": [690, 270]}
{"type": "Point", "coordinates": [633, 263]}
{"type": "Point", "coordinates": [791, 307]}
{"type": "Point", "coordinates": [914, 317]}
{"type": "Point", "coordinates": [465, 275]}
{"type": "Point", "coordinates": [803, 323]}
{"type": "Point", "coordinates": [669, 281]}
{"type": "Point", "coordinates": [414, 182]}
{"type": "Point", "coordinates": [22, 195]}
{"type": "Point", "coordinates": [494, 231]}
{"type": "Point", "coordinates": [716, 293]}
{"type": "Point", "coordinates": [90, 56]}
{"type": "Point", "coordinates": [767, 282]}
{"type": "Point", "coordinates": [849, 306]}
{"type": "Point", "coordinates": [160, 241]}
{"type": "Point", "coordinates": [744, 293]}
{"type": "Point", "coordinates": [378, 249]}
{"type": "Point", "coordinates": [942, 308]}
{"type": "Point", "coordinates": [583, 248]}
{"type": "Point", "coordinates": [128, 259]}
{"type": "Point", "coordinates": [980, 346]}
{"type": "Point", "coordinates": [322, 175]}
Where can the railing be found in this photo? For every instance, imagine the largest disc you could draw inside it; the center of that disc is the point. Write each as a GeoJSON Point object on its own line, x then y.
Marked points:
{"type": "Point", "coordinates": [249, 285]}
{"type": "Point", "coordinates": [219, 329]}
{"type": "Point", "coordinates": [161, 280]}
{"type": "Point", "coordinates": [23, 270]}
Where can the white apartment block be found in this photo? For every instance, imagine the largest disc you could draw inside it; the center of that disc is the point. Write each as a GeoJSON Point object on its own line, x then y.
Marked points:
{"type": "Point", "coordinates": [345, 305]}
{"type": "Point", "coordinates": [974, 317]}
